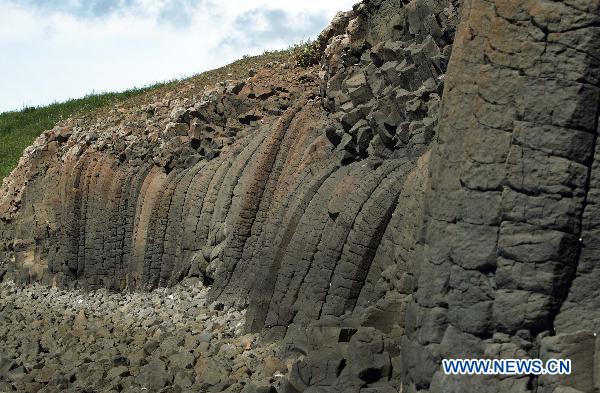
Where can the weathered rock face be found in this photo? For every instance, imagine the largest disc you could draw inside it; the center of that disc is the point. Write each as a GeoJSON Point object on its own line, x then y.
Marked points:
{"type": "Point", "coordinates": [510, 205]}
{"type": "Point", "coordinates": [360, 223]}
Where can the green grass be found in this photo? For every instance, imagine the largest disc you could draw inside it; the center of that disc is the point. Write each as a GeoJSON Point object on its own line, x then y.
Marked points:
{"type": "Point", "coordinates": [306, 53]}
{"type": "Point", "coordinates": [18, 129]}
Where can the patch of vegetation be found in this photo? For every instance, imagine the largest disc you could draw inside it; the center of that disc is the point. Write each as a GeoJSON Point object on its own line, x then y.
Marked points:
{"type": "Point", "coordinates": [18, 129]}
{"type": "Point", "coordinates": [306, 53]}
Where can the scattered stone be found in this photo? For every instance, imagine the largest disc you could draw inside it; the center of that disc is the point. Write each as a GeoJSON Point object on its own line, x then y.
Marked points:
{"type": "Point", "coordinates": [273, 365]}
{"type": "Point", "coordinates": [209, 372]}
{"type": "Point", "coordinates": [153, 375]}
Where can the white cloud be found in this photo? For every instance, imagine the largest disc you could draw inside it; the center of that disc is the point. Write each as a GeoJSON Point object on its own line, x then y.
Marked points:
{"type": "Point", "coordinates": [51, 54]}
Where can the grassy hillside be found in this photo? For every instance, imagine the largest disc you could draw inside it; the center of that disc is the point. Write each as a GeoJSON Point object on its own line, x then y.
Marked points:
{"type": "Point", "coordinates": [19, 129]}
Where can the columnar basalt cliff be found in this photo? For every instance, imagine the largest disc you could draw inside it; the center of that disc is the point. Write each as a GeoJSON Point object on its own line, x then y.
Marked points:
{"type": "Point", "coordinates": [510, 206]}
{"type": "Point", "coordinates": [427, 192]}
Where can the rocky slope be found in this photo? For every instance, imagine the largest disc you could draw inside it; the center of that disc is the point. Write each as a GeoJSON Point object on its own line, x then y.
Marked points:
{"type": "Point", "coordinates": [427, 191]}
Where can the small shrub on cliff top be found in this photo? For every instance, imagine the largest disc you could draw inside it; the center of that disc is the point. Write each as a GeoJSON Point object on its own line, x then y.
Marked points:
{"type": "Point", "coordinates": [306, 54]}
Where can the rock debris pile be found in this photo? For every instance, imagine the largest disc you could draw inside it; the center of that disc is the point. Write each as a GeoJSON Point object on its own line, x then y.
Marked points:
{"type": "Point", "coordinates": [168, 340]}
{"type": "Point", "coordinates": [385, 86]}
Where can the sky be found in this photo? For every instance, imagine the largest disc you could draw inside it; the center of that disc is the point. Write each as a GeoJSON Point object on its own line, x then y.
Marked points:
{"type": "Point", "coordinates": [53, 50]}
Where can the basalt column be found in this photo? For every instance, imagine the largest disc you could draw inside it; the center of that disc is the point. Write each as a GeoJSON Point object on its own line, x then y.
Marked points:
{"type": "Point", "coordinates": [510, 206]}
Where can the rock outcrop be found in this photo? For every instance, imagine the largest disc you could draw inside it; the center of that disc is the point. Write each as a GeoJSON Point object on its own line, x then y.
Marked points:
{"type": "Point", "coordinates": [510, 204]}
{"type": "Point", "coordinates": [429, 192]}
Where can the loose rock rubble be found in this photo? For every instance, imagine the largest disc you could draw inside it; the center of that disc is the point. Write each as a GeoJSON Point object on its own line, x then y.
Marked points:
{"type": "Point", "coordinates": [385, 86]}
{"type": "Point", "coordinates": [168, 340]}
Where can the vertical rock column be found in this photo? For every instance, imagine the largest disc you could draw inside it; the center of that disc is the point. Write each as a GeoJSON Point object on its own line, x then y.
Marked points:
{"type": "Point", "coordinates": [509, 178]}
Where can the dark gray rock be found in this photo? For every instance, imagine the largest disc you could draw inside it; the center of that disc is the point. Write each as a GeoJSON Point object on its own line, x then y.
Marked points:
{"type": "Point", "coordinates": [153, 375]}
